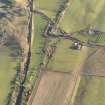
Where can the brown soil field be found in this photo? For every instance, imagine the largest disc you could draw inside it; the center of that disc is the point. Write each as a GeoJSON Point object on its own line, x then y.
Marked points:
{"type": "Point", "coordinates": [95, 65]}
{"type": "Point", "coordinates": [54, 88]}
{"type": "Point", "coordinates": [22, 2]}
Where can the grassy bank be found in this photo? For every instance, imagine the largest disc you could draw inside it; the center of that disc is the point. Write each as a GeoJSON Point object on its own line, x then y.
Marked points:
{"type": "Point", "coordinates": [7, 73]}
{"type": "Point", "coordinates": [38, 42]}
{"type": "Point", "coordinates": [37, 55]}
{"type": "Point", "coordinates": [91, 91]}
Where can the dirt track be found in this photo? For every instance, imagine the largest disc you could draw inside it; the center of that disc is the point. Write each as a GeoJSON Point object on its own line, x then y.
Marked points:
{"type": "Point", "coordinates": [54, 89]}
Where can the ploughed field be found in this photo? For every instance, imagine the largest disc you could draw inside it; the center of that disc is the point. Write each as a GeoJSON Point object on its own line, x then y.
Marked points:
{"type": "Point", "coordinates": [54, 88]}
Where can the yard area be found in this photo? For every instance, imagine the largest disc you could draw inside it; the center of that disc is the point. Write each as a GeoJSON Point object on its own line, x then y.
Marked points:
{"type": "Point", "coordinates": [91, 91]}
{"type": "Point", "coordinates": [7, 73]}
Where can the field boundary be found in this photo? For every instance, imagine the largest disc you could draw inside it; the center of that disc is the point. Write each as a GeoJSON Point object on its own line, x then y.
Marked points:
{"type": "Point", "coordinates": [34, 90]}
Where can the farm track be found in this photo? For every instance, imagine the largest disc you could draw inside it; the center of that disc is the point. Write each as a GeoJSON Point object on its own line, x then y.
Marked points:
{"type": "Point", "coordinates": [94, 75]}
{"type": "Point", "coordinates": [56, 71]}
{"type": "Point", "coordinates": [42, 14]}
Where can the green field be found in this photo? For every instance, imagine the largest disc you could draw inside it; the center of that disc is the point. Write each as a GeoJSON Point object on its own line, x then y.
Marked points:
{"type": "Point", "coordinates": [38, 41]}
{"type": "Point", "coordinates": [91, 91]}
{"type": "Point", "coordinates": [37, 55]}
{"type": "Point", "coordinates": [67, 59]}
{"type": "Point", "coordinates": [84, 14]}
{"type": "Point", "coordinates": [48, 7]}
{"type": "Point", "coordinates": [7, 73]}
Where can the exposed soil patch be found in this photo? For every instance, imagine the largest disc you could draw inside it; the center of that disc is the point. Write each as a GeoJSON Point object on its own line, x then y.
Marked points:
{"type": "Point", "coordinates": [54, 89]}
{"type": "Point", "coordinates": [22, 2]}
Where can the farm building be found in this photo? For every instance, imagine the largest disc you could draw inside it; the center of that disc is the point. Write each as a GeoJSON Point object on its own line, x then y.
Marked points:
{"type": "Point", "coordinates": [77, 45]}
